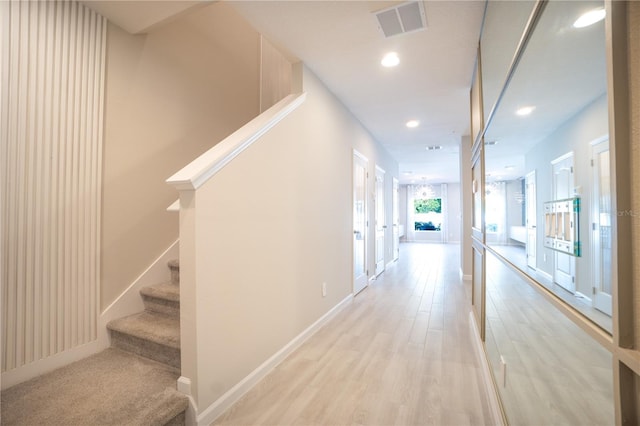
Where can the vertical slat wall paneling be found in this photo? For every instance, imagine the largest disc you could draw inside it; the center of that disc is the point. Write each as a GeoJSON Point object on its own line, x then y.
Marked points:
{"type": "Point", "coordinates": [52, 90]}
{"type": "Point", "coordinates": [275, 75]}
{"type": "Point", "coordinates": [4, 153]}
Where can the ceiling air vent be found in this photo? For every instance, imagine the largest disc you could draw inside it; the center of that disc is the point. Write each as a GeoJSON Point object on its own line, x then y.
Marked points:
{"type": "Point", "coordinates": [404, 18]}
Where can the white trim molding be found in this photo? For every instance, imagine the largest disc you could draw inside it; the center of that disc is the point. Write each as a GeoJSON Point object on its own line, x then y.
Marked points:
{"type": "Point", "coordinates": [222, 404]}
{"type": "Point", "coordinates": [200, 170]}
{"type": "Point", "coordinates": [483, 362]}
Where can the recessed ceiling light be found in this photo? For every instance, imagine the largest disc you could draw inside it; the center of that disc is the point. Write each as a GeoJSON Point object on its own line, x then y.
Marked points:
{"type": "Point", "coordinates": [409, 172]}
{"type": "Point", "coordinates": [509, 167]}
{"type": "Point", "coordinates": [434, 148]}
{"type": "Point", "coordinates": [391, 59]}
{"type": "Point", "coordinates": [490, 143]}
{"type": "Point", "coordinates": [590, 18]}
{"type": "Point", "coordinates": [525, 110]}
{"type": "Point", "coordinates": [412, 123]}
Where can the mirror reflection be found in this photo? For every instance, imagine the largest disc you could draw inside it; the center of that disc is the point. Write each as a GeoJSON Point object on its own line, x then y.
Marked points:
{"type": "Point", "coordinates": [547, 194]}
{"type": "Point", "coordinates": [548, 370]}
{"type": "Point", "coordinates": [502, 29]}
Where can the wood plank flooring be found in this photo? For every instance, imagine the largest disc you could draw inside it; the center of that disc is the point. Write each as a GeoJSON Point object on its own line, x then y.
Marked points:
{"type": "Point", "coordinates": [400, 354]}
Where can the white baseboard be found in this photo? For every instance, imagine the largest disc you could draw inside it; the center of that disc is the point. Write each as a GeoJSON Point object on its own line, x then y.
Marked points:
{"type": "Point", "coordinates": [222, 404]}
{"type": "Point", "coordinates": [582, 296]}
{"type": "Point", "coordinates": [43, 366]}
{"type": "Point", "coordinates": [464, 277]}
{"type": "Point", "coordinates": [184, 387]}
{"type": "Point", "coordinates": [492, 392]}
{"type": "Point", "coordinates": [544, 274]}
{"type": "Point", "coordinates": [128, 303]}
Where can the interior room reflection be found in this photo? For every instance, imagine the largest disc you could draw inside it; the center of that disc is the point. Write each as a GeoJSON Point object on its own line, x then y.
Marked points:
{"type": "Point", "coordinates": [548, 370]}
{"type": "Point", "coordinates": [547, 192]}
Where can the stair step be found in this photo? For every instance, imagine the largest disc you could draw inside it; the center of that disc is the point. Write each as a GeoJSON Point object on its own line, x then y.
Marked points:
{"type": "Point", "coordinates": [162, 298]}
{"type": "Point", "coordinates": [112, 388]}
{"type": "Point", "coordinates": [174, 266]}
{"type": "Point", "coordinates": [149, 334]}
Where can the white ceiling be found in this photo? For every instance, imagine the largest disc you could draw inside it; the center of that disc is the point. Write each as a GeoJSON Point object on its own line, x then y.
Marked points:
{"type": "Point", "coordinates": [341, 42]}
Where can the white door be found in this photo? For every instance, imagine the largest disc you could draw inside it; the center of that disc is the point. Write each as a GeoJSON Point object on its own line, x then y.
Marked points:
{"type": "Point", "coordinates": [360, 164]}
{"type": "Point", "coordinates": [530, 217]}
{"type": "Point", "coordinates": [381, 226]}
{"type": "Point", "coordinates": [601, 228]}
{"type": "Point", "coordinates": [563, 186]}
{"type": "Point", "coordinates": [396, 219]}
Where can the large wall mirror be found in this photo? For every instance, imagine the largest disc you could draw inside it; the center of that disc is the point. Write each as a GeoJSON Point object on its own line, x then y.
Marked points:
{"type": "Point", "coordinates": [547, 141]}
{"type": "Point", "coordinates": [502, 29]}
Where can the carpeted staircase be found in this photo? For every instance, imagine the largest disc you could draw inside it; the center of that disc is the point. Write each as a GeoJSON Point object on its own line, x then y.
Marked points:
{"type": "Point", "coordinates": [155, 332]}
{"type": "Point", "coordinates": [131, 383]}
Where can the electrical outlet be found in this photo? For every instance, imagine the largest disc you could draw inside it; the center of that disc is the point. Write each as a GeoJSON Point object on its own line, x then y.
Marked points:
{"type": "Point", "coordinates": [544, 257]}
{"type": "Point", "coordinates": [324, 289]}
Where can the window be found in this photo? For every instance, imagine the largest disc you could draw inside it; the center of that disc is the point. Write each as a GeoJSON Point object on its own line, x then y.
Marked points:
{"type": "Point", "coordinates": [495, 207]}
{"type": "Point", "coordinates": [427, 214]}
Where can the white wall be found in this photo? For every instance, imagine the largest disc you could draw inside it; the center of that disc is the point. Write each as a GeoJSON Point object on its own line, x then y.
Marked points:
{"type": "Point", "coordinates": [575, 135]}
{"type": "Point", "coordinates": [514, 205]}
{"type": "Point", "coordinates": [402, 199]}
{"type": "Point", "coordinates": [262, 236]}
{"type": "Point", "coordinates": [466, 206]}
{"type": "Point", "coordinates": [454, 213]}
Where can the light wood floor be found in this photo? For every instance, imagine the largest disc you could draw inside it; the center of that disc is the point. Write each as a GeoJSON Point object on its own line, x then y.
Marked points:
{"type": "Point", "coordinates": [401, 354]}
{"type": "Point", "coordinates": [517, 255]}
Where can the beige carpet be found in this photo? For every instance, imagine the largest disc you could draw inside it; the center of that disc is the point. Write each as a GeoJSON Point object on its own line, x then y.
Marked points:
{"type": "Point", "coordinates": [110, 388]}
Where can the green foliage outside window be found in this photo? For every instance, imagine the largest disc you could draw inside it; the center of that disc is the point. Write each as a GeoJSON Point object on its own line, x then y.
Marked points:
{"type": "Point", "coordinates": [428, 205]}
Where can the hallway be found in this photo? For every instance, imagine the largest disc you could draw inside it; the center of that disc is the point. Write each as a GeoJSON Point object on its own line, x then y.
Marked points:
{"type": "Point", "coordinates": [401, 354]}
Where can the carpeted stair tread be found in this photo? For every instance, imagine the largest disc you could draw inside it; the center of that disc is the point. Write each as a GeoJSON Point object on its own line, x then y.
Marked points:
{"type": "Point", "coordinates": [110, 388]}
{"type": "Point", "coordinates": [154, 327]}
{"type": "Point", "coordinates": [166, 291]}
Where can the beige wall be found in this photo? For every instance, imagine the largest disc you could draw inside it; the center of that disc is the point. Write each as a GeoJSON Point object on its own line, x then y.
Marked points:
{"type": "Point", "coordinates": [266, 232]}
{"type": "Point", "coordinates": [170, 95]}
{"type": "Point", "coordinates": [634, 93]}
{"type": "Point", "coordinates": [466, 206]}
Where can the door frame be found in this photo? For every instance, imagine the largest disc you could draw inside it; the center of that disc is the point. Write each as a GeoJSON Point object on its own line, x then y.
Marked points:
{"type": "Point", "coordinates": [600, 301]}
{"type": "Point", "coordinates": [395, 195]}
{"type": "Point", "coordinates": [531, 210]}
{"type": "Point", "coordinates": [380, 221]}
{"type": "Point", "coordinates": [360, 282]}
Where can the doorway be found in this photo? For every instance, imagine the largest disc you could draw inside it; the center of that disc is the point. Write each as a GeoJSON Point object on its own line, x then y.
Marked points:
{"type": "Point", "coordinates": [360, 165]}
{"type": "Point", "coordinates": [381, 227]}
{"type": "Point", "coordinates": [530, 218]}
{"type": "Point", "coordinates": [601, 226]}
{"type": "Point", "coordinates": [396, 219]}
